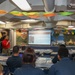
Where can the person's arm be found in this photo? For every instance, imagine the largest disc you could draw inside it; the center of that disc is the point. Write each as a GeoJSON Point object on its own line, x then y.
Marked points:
{"type": "Point", "coordinates": [17, 72]}
{"type": "Point", "coordinates": [3, 43]}
{"type": "Point", "coordinates": [8, 61]}
{"type": "Point", "coordinates": [42, 73]}
{"type": "Point", "coordinates": [55, 59]}
{"type": "Point", "coordinates": [7, 42]}
{"type": "Point", "coordinates": [51, 70]}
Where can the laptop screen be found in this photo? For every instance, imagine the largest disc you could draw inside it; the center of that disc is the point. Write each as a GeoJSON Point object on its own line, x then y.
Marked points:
{"type": "Point", "coordinates": [20, 54]}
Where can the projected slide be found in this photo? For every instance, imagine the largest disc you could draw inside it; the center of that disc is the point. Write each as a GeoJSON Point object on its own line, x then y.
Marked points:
{"type": "Point", "coordinates": [41, 37]}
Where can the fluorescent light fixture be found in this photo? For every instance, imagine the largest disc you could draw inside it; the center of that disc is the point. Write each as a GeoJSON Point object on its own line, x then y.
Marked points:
{"type": "Point", "coordinates": [30, 21]}
{"type": "Point", "coordinates": [1, 22]}
{"type": "Point", "coordinates": [70, 26]}
{"type": "Point", "coordinates": [73, 28]}
{"type": "Point", "coordinates": [22, 4]}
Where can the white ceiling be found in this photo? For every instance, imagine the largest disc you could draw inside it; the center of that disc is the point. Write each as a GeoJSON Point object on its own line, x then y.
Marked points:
{"type": "Point", "coordinates": [37, 5]}
{"type": "Point", "coordinates": [35, 2]}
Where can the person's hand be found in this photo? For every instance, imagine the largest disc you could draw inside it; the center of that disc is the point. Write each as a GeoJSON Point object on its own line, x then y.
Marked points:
{"type": "Point", "coordinates": [8, 42]}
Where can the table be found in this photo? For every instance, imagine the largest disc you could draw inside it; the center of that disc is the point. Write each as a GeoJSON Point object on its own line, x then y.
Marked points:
{"type": "Point", "coordinates": [3, 59]}
{"type": "Point", "coordinates": [44, 62]}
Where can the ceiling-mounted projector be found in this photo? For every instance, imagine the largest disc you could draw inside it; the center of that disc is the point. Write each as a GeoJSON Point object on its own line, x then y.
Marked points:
{"type": "Point", "coordinates": [66, 5]}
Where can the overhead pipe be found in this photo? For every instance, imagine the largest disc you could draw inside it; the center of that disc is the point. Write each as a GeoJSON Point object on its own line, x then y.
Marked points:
{"type": "Point", "coordinates": [49, 5]}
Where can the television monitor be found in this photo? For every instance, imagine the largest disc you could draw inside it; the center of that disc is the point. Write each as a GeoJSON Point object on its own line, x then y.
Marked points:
{"type": "Point", "coordinates": [39, 37]}
{"type": "Point", "coordinates": [20, 54]}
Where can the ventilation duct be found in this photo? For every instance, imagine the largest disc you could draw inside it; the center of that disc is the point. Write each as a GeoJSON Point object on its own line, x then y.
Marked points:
{"type": "Point", "coordinates": [49, 5]}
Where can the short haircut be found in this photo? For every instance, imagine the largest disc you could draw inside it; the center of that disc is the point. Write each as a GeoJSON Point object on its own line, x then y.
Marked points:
{"type": "Point", "coordinates": [29, 55]}
{"type": "Point", "coordinates": [62, 45]}
{"type": "Point", "coordinates": [3, 33]}
{"type": "Point", "coordinates": [16, 49]}
{"type": "Point", "coordinates": [63, 52]}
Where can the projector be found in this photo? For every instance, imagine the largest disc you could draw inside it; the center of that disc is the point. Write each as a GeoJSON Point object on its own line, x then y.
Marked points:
{"type": "Point", "coordinates": [66, 5]}
{"type": "Point", "coordinates": [71, 5]}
